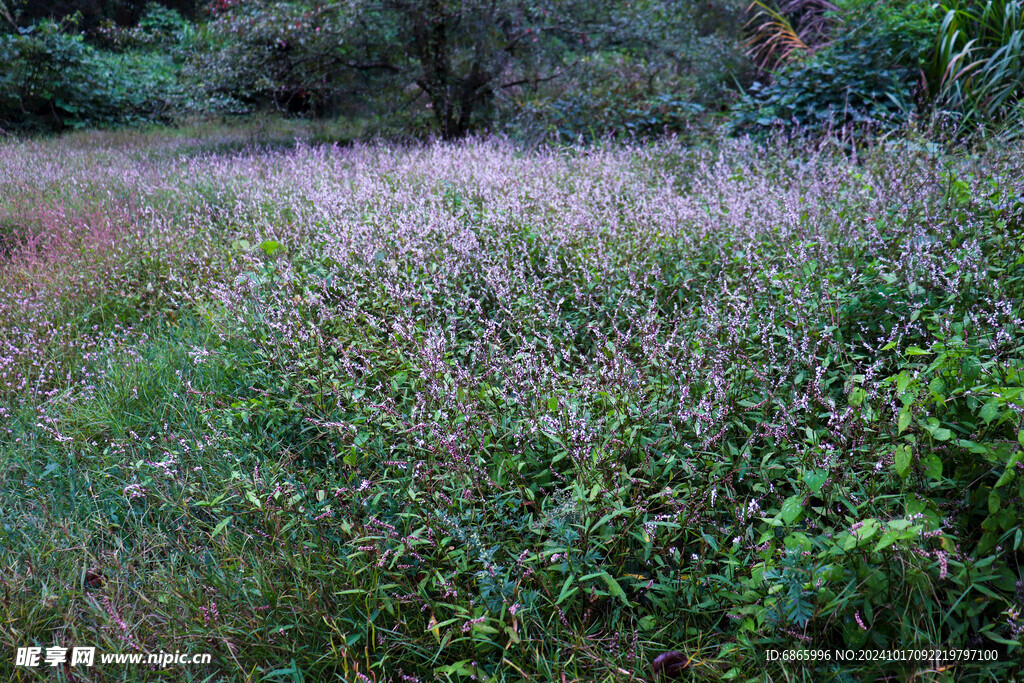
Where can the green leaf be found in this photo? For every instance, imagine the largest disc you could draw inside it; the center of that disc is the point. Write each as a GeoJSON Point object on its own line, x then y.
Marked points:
{"type": "Point", "coordinates": [567, 589]}
{"type": "Point", "coordinates": [614, 588]}
{"type": "Point", "coordinates": [792, 508]}
{"type": "Point", "coordinates": [932, 465]}
{"type": "Point", "coordinates": [971, 368]}
{"type": "Point", "coordinates": [888, 538]}
{"type": "Point", "coordinates": [904, 420]}
{"type": "Point", "coordinates": [271, 247]}
{"type": "Point", "coordinates": [552, 404]}
{"type": "Point", "coordinates": [915, 351]}
{"type": "Point", "coordinates": [1010, 473]}
{"type": "Point", "coordinates": [994, 501]}
{"type": "Point", "coordinates": [863, 533]}
{"type": "Point", "coordinates": [461, 668]}
{"type": "Point", "coordinates": [815, 479]}
{"type": "Point", "coordinates": [989, 411]}
{"type": "Point", "coordinates": [220, 526]}
{"type": "Point", "coordinates": [903, 458]}
{"type": "Point", "coordinates": [938, 433]}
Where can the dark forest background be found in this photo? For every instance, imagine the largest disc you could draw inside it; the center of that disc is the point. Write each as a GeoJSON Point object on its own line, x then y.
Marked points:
{"type": "Point", "coordinates": [563, 69]}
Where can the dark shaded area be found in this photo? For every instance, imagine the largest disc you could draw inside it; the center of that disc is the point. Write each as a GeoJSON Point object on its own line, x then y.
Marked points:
{"type": "Point", "coordinates": [94, 12]}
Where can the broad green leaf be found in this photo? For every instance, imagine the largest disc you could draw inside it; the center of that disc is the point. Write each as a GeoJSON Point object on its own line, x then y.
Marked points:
{"type": "Point", "coordinates": [915, 351]}
{"type": "Point", "coordinates": [903, 458]}
{"type": "Point", "coordinates": [614, 588]}
{"type": "Point", "coordinates": [888, 538]}
{"type": "Point", "coordinates": [994, 501]}
{"type": "Point", "coordinates": [904, 420]}
{"type": "Point", "coordinates": [932, 465]}
{"type": "Point", "coordinates": [862, 533]}
{"type": "Point", "coordinates": [971, 368]}
{"type": "Point", "coordinates": [815, 479]}
{"type": "Point", "coordinates": [989, 411]}
{"type": "Point", "coordinates": [1010, 473]}
{"type": "Point", "coordinates": [792, 507]}
{"type": "Point", "coordinates": [938, 433]}
{"type": "Point", "coordinates": [271, 247]}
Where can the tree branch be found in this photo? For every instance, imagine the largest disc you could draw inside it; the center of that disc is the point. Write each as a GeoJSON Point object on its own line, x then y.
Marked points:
{"type": "Point", "coordinates": [539, 79]}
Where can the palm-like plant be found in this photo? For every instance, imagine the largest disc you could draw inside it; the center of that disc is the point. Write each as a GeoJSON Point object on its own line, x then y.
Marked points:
{"type": "Point", "coordinates": [780, 31]}
{"type": "Point", "coordinates": [979, 58]}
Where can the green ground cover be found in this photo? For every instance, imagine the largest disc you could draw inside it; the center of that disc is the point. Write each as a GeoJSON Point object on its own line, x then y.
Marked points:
{"type": "Point", "coordinates": [463, 411]}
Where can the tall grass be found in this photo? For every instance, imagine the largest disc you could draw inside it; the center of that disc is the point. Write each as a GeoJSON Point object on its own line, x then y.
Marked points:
{"type": "Point", "coordinates": [979, 59]}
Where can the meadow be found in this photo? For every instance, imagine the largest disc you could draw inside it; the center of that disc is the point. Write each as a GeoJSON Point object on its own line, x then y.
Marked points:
{"type": "Point", "coordinates": [468, 411]}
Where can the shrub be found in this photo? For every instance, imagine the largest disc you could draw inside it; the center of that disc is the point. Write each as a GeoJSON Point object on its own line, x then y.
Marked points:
{"type": "Point", "coordinates": [159, 27]}
{"type": "Point", "coordinates": [50, 79]}
{"type": "Point", "coordinates": [858, 82]}
{"type": "Point", "coordinates": [612, 95]}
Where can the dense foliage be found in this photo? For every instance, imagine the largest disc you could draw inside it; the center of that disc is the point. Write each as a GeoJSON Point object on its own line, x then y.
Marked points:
{"type": "Point", "coordinates": [454, 62]}
{"type": "Point", "coordinates": [879, 65]}
{"type": "Point", "coordinates": [52, 79]}
{"type": "Point", "coordinates": [978, 68]}
{"type": "Point", "coordinates": [551, 70]}
{"type": "Point", "coordinates": [453, 411]}
{"type": "Point", "coordinates": [857, 81]}
{"type": "Point", "coordinates": [659, 337]}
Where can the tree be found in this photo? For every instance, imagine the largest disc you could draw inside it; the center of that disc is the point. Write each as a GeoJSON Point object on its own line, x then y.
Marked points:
{"type": "Point", "coordinates": [461, 52]}
{"type": "Point", "coordinates": [455, 53]}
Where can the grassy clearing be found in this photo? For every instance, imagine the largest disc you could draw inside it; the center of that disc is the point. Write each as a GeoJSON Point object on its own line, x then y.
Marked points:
{"type": "Point", "coordinates": [447, 412]}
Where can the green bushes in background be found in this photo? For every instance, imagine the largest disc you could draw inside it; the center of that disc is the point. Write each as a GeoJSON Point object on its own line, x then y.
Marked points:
{"type": "Point", "coordinates": [859, 81]}
{"type": "Point", "coordinates": [52, 79]}
{"type": "Point", "coordinates": [553, 70]}
{"type": "Point", "coordinates": [887, 63]}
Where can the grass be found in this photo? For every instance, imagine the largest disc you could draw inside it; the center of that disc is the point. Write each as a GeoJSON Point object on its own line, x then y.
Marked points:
{"type": "Point", "coordinates": [456, 412]}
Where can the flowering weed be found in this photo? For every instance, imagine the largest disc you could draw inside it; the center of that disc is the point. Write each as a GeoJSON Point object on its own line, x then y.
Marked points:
{"type": "Point", "coordinates": [460, 411]}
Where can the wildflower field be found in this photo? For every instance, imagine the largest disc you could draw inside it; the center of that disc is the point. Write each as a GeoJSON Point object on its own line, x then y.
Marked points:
{"type": "Point", "coordinates": [473, 412]}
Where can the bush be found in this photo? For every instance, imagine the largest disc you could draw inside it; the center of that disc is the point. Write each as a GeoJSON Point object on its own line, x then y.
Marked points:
{"type": "Point", "coordinates": [53, 80]}
{"type": "Point", "coordinates": [159, 27]}
{"type": "Point", "coordinates": [286, 55]}
{"type": "Point", "coordinates": [612, 95]}
{"type": "Point", "coordinates": [860, 81]}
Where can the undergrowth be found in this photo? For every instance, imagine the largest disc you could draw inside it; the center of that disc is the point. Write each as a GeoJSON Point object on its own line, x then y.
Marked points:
{"type": "Point", "coordinates": [456, 412]}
